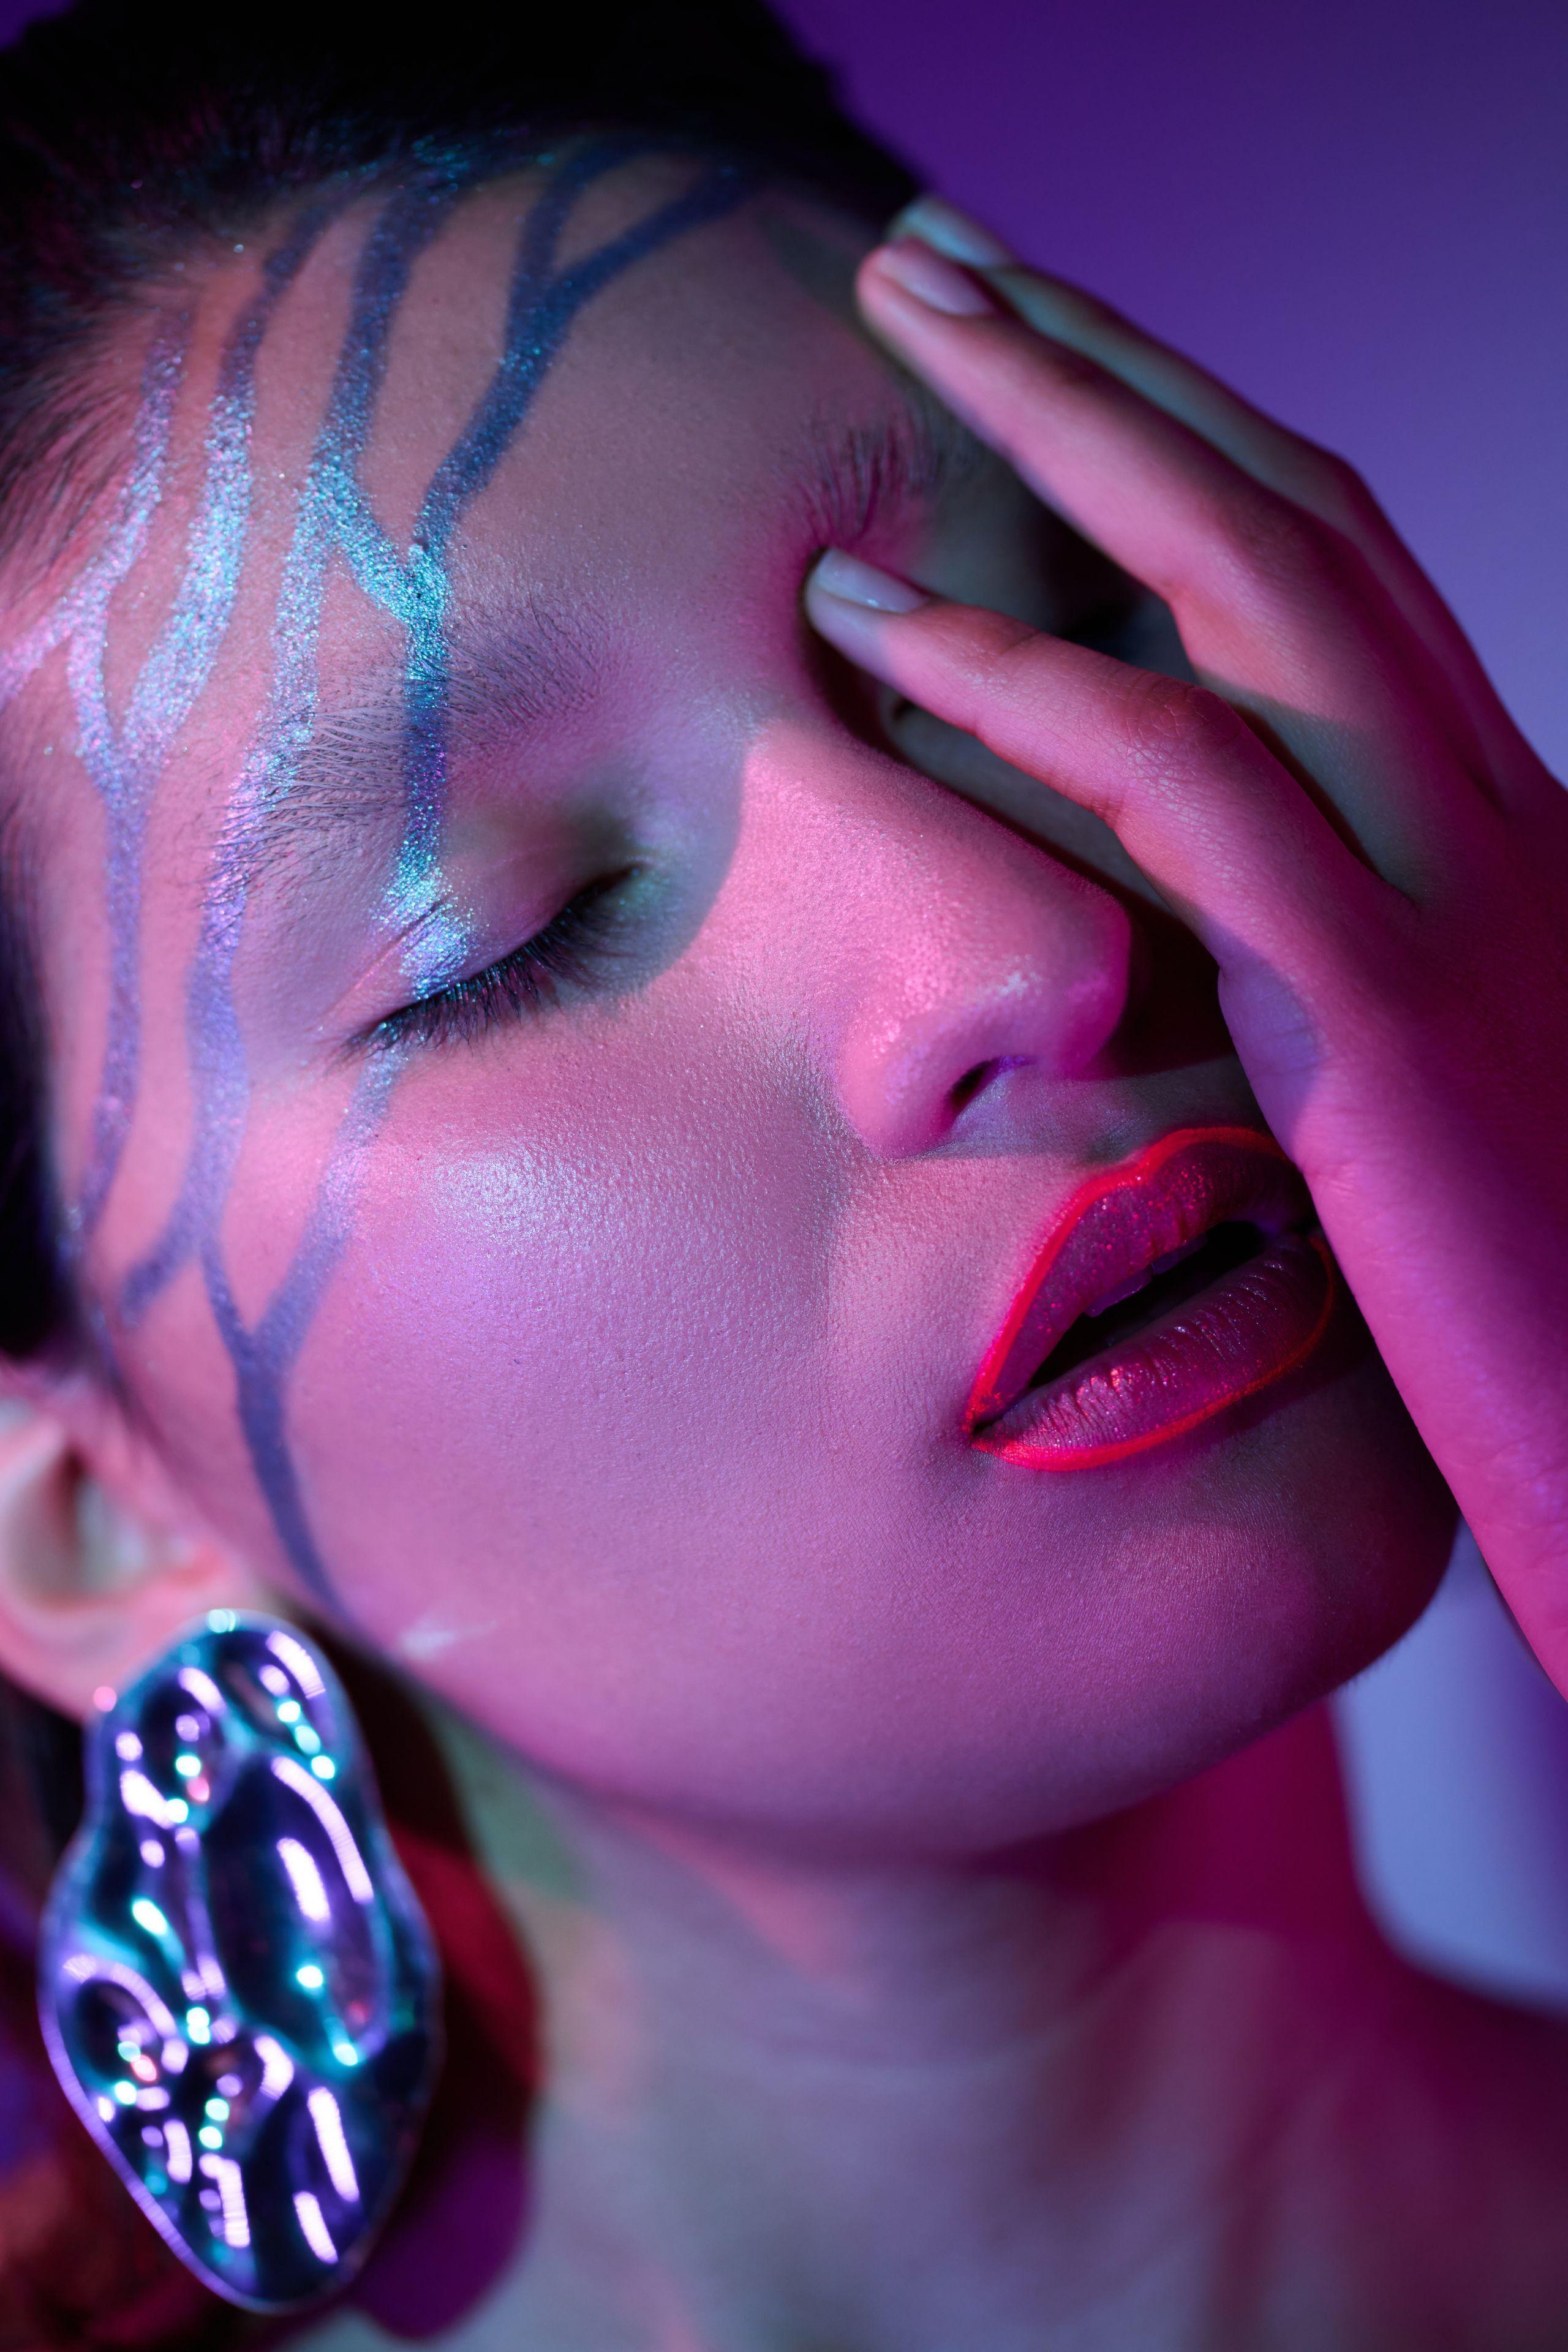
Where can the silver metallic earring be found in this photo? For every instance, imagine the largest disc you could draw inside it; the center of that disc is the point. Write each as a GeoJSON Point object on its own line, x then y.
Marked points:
{"type": "Point", "coordinates": [238, 1987]}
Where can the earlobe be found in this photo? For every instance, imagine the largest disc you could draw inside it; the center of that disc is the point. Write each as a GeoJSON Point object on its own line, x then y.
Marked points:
{"type": "Point", "coordinates": [90, 1586]}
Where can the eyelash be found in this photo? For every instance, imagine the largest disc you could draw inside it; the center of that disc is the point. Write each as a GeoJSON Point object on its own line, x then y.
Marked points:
{"type": "Point", "coordinates": [568, 953]}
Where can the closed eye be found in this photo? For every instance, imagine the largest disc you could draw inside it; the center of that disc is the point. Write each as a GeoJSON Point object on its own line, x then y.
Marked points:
{"type": "Point", "coordinates": [569, 956]}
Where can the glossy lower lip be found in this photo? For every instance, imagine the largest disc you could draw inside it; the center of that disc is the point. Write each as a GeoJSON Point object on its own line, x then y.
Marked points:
{"type": "Point", "coordinates": [1244, 1330]}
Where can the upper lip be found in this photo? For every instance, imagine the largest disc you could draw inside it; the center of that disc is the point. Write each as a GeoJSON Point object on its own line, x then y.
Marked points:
{"type": "Point", "coordinates": [1168, 1195]}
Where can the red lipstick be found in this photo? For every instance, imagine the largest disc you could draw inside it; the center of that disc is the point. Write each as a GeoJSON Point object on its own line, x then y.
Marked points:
{"type": "Point", "coordinates": [1168, 1289]}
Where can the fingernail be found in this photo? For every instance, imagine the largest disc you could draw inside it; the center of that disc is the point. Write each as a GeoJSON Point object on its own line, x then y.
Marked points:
{"type": "Point", "coordinates": [938, 283]}
{"type": "Point", "coordinates": [854, 583]}
{"type": "Point", "coordinates": [937, 223]}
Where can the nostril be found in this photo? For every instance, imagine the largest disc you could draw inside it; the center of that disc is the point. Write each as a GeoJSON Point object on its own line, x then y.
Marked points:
{"type": "Point", "coordinates": [975, 1081]}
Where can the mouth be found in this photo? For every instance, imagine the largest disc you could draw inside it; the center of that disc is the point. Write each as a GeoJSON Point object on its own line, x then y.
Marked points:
{"type": "Point", "coordinates": [1167, 1291]}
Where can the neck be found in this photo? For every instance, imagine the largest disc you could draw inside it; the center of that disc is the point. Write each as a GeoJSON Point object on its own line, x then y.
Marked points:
{"type": "Point", "coordinates": [786, 2103]}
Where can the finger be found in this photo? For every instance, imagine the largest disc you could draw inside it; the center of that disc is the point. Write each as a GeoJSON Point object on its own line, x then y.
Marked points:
{"type": "Point", "coordinates": [1313, 478]}
{"type": "Point", "coordinates": [1223, 831]}
{"type": "Point", "coordinates": [1280, 613]}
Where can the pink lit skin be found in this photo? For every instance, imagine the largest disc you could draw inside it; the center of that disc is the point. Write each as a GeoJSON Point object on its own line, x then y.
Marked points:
{"type": "Point", "coordinates": [927, 1957]}
{"type": "Point", "coordinates": [1390, 959]}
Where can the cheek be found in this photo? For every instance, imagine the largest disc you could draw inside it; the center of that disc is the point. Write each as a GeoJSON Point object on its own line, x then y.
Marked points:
{"type": "Point", "coordinates": [625, 1421]}
{"type": "Point", "coordinates": [548, 1365]}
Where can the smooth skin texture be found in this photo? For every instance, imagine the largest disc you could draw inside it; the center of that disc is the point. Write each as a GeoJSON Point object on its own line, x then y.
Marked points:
{"type": "Point", "coordinates": [1340, 810]}
{"type": "Point", "coordinates": [799, 1736]}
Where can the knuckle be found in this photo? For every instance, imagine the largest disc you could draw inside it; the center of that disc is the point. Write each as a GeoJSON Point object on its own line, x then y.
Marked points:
{"type": "Point", "coordinates": [1326, 484]}
{"type": "Point", "coordinates": [1007, 652]}
{"type": "Point", "coordinates": [1060, 299]}
{"type": "Point", "coordinates": [989, 661]}
{"type": "Point", "coordinates": [1173, 726]}
{"type": "Point", "coordinates": [1065, 368]}
{"type": "Point", "coordinates": [1278, 548]}
{"type": "Point", "coordinates": [1346, 501]}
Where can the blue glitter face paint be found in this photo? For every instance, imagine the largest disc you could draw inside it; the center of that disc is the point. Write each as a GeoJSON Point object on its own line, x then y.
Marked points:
{"type": "Point", "coordinates": [126, 762]}
{"type": "Point", "coordinates": [335, 519]}
{"type": "Point", "coordinates": [79, 621]}
{"type": "Point", "coordinates": [214, 1044]}
{"type": "Point", "coordinates": [263, 1354]}
{"type": "Point", "coordinates": [123, 763]}
{"type": "Point", "coordinates": [542, 306]}
{"type": "Point", "coordinates": [75, 612]}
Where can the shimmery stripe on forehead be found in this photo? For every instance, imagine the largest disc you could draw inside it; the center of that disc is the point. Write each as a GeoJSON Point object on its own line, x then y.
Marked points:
{"type": "Point", "coordinates": [111, 764]}
{"type": "Point", "coordinates": [128, 534]}
{"type": "Point", "coordinates": [335, 519]}
{"type": "Point", "coordinates": [331, 497]}
{"type": "Point", "coordinates": [125, 761]}
{"type": "Point", "coordinates": [540, 312]}
{"type": "Point", "coordinates": [406, 222]}
{"type": "Point", "coordinates": [127, 764]}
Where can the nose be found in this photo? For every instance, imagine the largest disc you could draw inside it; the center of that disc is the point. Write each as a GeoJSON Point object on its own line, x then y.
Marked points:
{"type": "Point", "coordinates": [964, 954]}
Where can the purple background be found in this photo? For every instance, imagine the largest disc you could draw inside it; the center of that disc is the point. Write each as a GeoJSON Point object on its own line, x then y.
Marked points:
{"type": "Point", "coordinates": [1357, 210]}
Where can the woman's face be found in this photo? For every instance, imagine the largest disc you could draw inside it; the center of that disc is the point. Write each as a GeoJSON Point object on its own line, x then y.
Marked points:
{"type": "Point", "coordinates": [596, 1338]}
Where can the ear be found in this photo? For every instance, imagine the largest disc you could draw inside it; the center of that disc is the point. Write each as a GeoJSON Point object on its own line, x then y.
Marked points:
{"type": "Point", "coordinates": [99, 1565]}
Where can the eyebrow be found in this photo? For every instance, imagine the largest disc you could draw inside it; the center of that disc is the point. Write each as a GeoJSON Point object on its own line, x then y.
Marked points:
{"type": "Point", "coordinates": [508, 675]}
{"type": "Point", "coordinates": [849, 476]}
{"type": "Point", "coordinates": [502, 678]}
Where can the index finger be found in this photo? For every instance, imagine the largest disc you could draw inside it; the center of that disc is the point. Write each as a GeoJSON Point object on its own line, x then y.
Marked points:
{"type": "Point", "coordinates": [1277, 611]}
{"type": "Point", "coordinates": [1313, 478]}
{"type": "Point", "coordinates": [1277, 466]}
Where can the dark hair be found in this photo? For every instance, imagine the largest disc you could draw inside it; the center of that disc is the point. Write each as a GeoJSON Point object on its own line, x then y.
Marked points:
{"type": "Point", "coordinates": [132, 130]}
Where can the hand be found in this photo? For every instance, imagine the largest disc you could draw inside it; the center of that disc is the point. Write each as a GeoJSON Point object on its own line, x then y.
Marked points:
{"type": "Point", "coordinates": [1342, 811]}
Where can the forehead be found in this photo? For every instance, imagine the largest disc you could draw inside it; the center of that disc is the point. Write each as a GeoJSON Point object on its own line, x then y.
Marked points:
{"type": "Point", "coordinates": [568, 391]}
{"type": "Point", "coordinates": [568, 348]}
{"type": "Point", "coordinates": [571, 346]}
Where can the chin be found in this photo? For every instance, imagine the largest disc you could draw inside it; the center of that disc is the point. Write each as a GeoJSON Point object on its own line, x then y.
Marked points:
{"type": "Point", "coordinates": [977, 1655]}
{"type": "Point", "coordinates": [1165, 1613]}
{"type": "Point", "coordinates": [1272, 1561]}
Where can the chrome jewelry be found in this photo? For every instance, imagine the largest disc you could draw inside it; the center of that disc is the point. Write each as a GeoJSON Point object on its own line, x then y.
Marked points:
{"type": "Point", "coordinates": [238, 1988]}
